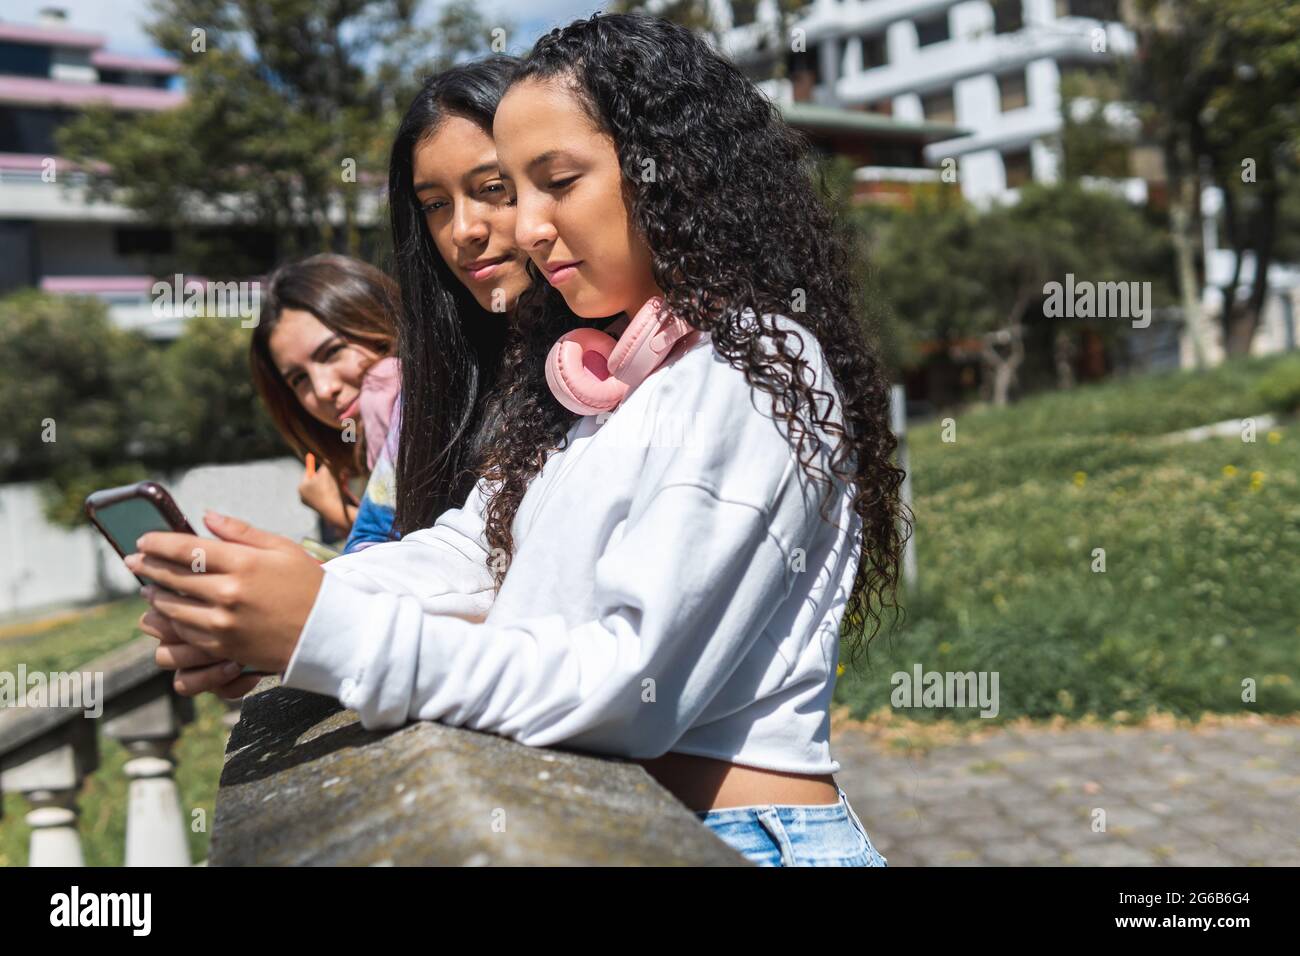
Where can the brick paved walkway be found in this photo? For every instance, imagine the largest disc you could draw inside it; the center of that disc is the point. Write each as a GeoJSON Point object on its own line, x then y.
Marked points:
{"type": "Point", "coordinates": [1214, 796]}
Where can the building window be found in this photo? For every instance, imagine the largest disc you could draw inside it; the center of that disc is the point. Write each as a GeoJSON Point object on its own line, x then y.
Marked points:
{"type": "Point", "coordinates": [874, 52]}
{"type": "Point", "coordinates": [23, 59]}
{"type": "Point", "coordinates": [743, 12]}
{"type": "Point", "coordinates": [804, 71]}
{"type": "Point", "coordinates": [932, 30]}
{"type": "Point", "coordinates": [157, 81]}
{"type": "Point", "coordinates": [136, 241]}
{"type": "Point", "coordinates": [1093, 9]}
{"type": "Point", "coordinates": [1011, 90]}
{"type": "Point", "coordinates": [903, 155]}
{"type": "Point", "coordinates": [1019, 167]}
{"type": "Point", "coordinates": [1008, 16]}
{"type": "Point", "coordinates": [884, 107]}
{"type": "Point", "coordinates": [939, 107]}
{"type": "Point", "coordinates": [25, 129]}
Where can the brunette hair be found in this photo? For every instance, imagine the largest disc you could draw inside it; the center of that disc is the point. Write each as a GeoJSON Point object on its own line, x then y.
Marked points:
{"type": "Point", "coordinates": [347, 296]}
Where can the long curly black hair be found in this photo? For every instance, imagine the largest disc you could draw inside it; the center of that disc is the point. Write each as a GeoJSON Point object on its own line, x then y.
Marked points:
{"type": "Point", "coordinates": [734, 220]}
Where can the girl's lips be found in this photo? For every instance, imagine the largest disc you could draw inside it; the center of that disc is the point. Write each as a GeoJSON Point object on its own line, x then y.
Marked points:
{"type": "Point", "coordinates": [351, 410]}
{"type": "Point", "coordinates": [562, 274]}
{"type": "Point", "coordinates": [483, 272]}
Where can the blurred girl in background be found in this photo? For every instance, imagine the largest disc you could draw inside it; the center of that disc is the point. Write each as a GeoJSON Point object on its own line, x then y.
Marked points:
{"type": "Point", "coordinates": [323, 359]}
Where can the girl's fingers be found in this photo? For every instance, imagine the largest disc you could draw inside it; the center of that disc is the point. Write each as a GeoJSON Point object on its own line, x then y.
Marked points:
{"type": "Point", "coordinates": [188, 550]}
{"type": "Point", "coordinates": [168, 574]}
{"type": "Point", "coordinates": [182, 656]}
{"type": "Point", "coordinates": [157, 625]}
{"type": "Point", "coordinates": [196, 680]}
{"type": "Point", "coordinates": [193, 621]}
{"type": "Point", "coordinates": [238, 688]}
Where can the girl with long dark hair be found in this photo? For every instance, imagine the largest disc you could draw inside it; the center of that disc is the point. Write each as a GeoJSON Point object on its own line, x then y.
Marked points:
{"type": "Point", "coordinates": [460, 273]}
{"type": "Point", "coordinates": [690, 494]}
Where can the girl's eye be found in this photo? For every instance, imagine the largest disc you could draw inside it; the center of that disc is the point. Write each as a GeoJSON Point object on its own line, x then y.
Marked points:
{"type": "Point", "coordinates": [563, 183]}
{"type": "Point", "coordinates": [432, 207]}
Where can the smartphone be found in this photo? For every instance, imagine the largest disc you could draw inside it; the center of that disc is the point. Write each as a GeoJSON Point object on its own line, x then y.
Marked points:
{"type": "Point", "coordinates": [123, 514]}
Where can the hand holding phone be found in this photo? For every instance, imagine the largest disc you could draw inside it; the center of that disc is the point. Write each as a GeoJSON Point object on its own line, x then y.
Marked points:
{"type": "Point", "coordinates": [125, 513]}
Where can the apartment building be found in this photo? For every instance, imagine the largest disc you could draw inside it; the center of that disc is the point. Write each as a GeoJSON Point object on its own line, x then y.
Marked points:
{"type": "Point", "coordinates": [51, 237]}
{"type": "Point", "coordinates": [989, 68]}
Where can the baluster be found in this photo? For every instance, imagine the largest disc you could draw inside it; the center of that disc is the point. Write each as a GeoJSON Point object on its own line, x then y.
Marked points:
{"type": "Point", "coordinates": [155, 826]}
{"type": "Point", "coordinates": [49, 772]}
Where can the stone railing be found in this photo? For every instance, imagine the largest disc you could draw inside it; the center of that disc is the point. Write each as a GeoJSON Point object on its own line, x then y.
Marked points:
{"type": "Point", "coordinates": [305, 783]}
{"type": "Point", "coordinates": [47, 752]}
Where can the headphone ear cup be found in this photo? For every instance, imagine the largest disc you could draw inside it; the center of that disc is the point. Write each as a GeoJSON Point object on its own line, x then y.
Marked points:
{"type": "Point", "coordinates": [577, 372]}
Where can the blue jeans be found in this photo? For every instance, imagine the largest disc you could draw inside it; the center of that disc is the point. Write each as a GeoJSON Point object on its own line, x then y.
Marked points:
{"type": "Point", "coordinates": [795, 834]}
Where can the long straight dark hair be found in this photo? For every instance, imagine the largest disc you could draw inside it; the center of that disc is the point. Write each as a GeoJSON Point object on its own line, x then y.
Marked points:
{"type": "Point", "coordinates": [450, 346]}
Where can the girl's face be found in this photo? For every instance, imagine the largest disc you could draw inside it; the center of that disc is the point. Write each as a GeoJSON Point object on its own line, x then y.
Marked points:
{"type": "Point", "coordinates": [571, 216]}
{"type": "Point", "coordinates": [468, 212]}
{"type": "Point", "coordinates": [323, 369]}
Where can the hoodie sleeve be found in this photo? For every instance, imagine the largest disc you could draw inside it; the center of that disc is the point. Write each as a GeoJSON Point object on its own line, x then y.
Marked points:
{"type": "Point", "coordinates": [445, 567]}
{"type": "Point", "coordinates": [668, 633]}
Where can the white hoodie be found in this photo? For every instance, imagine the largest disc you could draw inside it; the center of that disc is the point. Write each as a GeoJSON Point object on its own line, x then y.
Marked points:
{"type": "Point", "coordinates": [673, 588]}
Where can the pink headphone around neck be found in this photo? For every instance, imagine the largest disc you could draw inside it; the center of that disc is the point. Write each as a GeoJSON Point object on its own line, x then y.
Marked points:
{"type": "Point", "coordinates": [589, 372]}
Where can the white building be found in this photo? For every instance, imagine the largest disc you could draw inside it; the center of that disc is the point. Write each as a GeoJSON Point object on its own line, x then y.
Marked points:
{"type": "Point", "coordinates": [992, 68]}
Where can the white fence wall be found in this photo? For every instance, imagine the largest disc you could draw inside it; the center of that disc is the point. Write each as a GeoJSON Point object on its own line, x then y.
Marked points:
{"type": "Point", "coordinates": [43, 565]}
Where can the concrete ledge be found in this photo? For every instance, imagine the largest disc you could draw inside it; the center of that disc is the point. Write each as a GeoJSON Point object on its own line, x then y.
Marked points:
{"type": "Point", "coordinates": [305, 784]}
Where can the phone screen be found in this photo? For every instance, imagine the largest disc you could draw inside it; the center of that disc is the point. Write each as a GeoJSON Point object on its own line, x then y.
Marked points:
{"type": "Point", "coordinates": [126, 520]}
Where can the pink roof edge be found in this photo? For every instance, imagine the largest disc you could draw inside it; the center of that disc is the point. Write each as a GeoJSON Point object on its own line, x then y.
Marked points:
{"type": "Point", "coordinates": [44, 92]}
{"type": "Point", "coordinates": [50, 36]}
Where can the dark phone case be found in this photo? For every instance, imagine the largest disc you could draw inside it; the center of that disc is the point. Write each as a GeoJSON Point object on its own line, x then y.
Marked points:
{"type": "Point", "coordinates": [150, 491]}
{"type": "Point", "coordinates": [156, 495]}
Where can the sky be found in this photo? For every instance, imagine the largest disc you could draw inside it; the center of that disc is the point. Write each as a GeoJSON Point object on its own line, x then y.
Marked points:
{"type": "Point", "coordinates": [122, 21]}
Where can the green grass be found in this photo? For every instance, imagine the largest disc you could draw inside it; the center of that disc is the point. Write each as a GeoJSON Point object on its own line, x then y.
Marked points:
{"type": "Point", "coordinates": [102, 823]}
{"type": "Point", "coordinates": [1202, 554]}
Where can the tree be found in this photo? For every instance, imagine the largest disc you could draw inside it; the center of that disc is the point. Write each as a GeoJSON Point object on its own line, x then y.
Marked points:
{"type": "Point", "coordinates": [288, 119]}
{"type": "Point", "coordinates": [951, 271]}
{"type": "Point", "coordinates": [1215, 83]}
{"type": "Point", "coordinates": [74, 382]}
{"type": "Point", "coordinates": [97, 406]}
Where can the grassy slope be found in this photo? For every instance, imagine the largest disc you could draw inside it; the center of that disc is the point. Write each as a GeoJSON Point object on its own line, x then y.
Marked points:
{"type": "Point", "coordinates": [1202, 548]}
